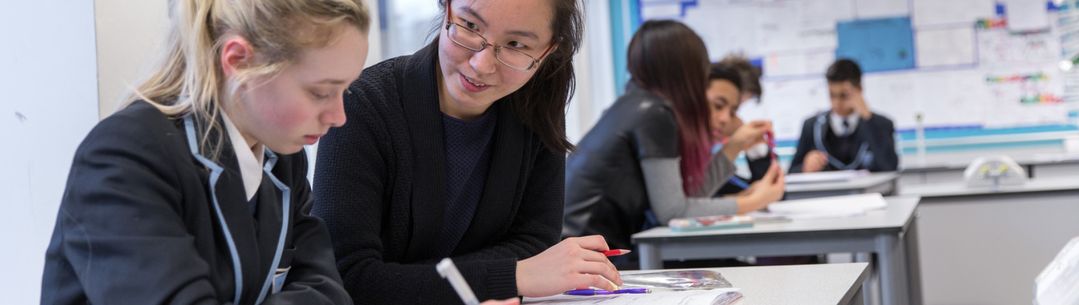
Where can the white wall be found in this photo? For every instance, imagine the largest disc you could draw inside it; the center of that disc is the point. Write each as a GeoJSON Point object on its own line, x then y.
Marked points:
{"type": "Point", "coordinates": [129, 37]}
{"type": "Point", "coordinates": [49, 103]}
{"type": "Point", "coordinates": [595, 81]}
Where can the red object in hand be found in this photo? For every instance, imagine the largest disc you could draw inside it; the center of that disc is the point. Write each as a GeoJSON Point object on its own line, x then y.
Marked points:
{"type": "Point", "coordinates": [616, 252]}
{"type": "Point", "coordinates": [771, 138]}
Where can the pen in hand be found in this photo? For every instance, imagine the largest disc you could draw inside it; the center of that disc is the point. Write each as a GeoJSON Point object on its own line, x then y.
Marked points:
{"type": "Point", "coordinates": [590, 292]}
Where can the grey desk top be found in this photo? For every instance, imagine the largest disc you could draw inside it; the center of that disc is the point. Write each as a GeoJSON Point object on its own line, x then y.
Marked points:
{"type": "Point", "coordinates": [797, 284]}
{"type": "Point", "coordinates": [961, 189]}
{"type": "Point", "coordinates": [896, 215]}
{"type": "Point", "coordinates": [873, 179]}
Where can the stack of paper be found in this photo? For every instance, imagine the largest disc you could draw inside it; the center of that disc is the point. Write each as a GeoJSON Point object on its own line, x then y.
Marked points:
{"type": "Point", "coordinates": [820, 177]}
{"type": "Point", "coordinates": [825, 207]}
{"type": "Point", "coordinates": [1056, 284]}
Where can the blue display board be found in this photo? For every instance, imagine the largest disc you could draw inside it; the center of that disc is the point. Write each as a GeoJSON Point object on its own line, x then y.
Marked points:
{"type": "Point", "coordinates": [877, 44]}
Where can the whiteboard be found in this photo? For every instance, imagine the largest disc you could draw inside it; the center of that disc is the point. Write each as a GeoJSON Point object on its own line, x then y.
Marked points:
{"type": "Point", "coordinates": [964, 73]}
{"type": "Point", "coordinates": [48, 76]}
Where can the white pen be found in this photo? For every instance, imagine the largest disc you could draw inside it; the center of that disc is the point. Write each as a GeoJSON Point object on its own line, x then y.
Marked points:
{"type": "Point", "coordinates": [449, 271]}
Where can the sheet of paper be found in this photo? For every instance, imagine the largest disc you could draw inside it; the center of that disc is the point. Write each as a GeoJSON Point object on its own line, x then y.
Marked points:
{"type": "Point", "coordinates": [830, 176]}
{"type": "Point", "coordinates": [943, 12]}
{"type": "Point", "coordinates": [945, 47]}
{"type": "Point", "coordinates": [865, 9]}
{"type": "Point", "coordinates": [1026, 15]}
{"type": "Point", "coordinates": [826, 207]}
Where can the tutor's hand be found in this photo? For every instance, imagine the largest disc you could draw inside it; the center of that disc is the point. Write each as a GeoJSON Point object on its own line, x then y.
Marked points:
{"type": "Point", "coordinates": [574, 263]}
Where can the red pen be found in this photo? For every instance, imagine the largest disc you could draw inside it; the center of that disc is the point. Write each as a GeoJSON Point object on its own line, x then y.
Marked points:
{"type": "Point", "coordinates": [771, 138]}
{"type": "Point", "coordinates": [616, 252]}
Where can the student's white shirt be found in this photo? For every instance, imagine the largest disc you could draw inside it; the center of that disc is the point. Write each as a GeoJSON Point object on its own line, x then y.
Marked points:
{"type": "Point", "coordinates": [837, 123]}
{"type": "Point", "coordinates": [250, 162]}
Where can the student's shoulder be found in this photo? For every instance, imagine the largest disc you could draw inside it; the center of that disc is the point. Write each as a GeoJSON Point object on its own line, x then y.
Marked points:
{"type": "Point", "coordinates": [138, 120]}
{"type": "Point", "coordinates": [879, 118]}
{"type": "Point", "coordinates": [139, 131]}
{"type": "Point", "coordinates": [642, 106]}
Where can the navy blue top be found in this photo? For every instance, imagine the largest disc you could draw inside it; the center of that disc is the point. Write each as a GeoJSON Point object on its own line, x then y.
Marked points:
{"type": "Point", "coordinates": [468, 155]}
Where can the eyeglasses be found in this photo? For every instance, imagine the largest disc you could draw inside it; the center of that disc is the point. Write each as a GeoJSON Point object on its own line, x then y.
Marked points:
{"type": "Point", "coordinates": [469, 39]}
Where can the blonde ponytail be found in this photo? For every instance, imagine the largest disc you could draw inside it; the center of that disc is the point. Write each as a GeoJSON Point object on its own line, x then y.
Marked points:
{"type": "Point", "coordinates": [188, 78]}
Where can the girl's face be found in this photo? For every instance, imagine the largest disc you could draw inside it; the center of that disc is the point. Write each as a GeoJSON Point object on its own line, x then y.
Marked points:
{"type": "Point", "coordinates": [471, 81]}
{"type": "Point", "coordinates": [298, 105]}
{"type": "Point", "coordinates": [723, 101]}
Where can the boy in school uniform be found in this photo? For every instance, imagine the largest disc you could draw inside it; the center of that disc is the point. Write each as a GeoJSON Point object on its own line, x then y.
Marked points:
{"type": "Point", "coordinates": [848, 136]}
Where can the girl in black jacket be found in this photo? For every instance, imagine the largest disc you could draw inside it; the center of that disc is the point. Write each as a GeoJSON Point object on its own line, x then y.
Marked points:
{"type": "Point", "coordinates": [458, 151]}
{"type": "Point", "coordinates": [649, 155]}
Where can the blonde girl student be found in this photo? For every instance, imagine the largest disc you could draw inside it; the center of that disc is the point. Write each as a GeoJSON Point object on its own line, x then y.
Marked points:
{"type": "Point", "coordinates": [458, 150]}
{"type": "Point", "coordinates": [195, 193]}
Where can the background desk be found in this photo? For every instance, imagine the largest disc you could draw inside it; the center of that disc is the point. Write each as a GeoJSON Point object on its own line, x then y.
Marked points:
{"type": "Point", "coordinates": [985, 246]}
{"type": "Point", "coordinates": [798, 284]}
{"type": "Point", "coordinates": [949, 169]}
{"type": "Point", "coordinates": [884, 183]}
{"type": "Point", "coordinates": [888, 233]}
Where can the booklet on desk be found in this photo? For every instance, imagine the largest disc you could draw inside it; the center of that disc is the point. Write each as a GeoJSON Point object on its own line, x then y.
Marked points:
{"type": "Point", "coordinates": [683, 287]}
{"type": "Point", "coordinates": [718, 296]}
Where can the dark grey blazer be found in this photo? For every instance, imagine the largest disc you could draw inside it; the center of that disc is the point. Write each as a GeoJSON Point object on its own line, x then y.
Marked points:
{"type": "Point", "coordinates": [137, 224]}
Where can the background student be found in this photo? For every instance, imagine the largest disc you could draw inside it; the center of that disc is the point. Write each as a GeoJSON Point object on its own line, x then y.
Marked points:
{"type": "Point", "coordinates": [196, 192]}
{"type": "Point", "coordinates": [459, 151]}
{"type": "Point", "coordinates": [848, 136]}
{"type": "Point", "coordinates": [649, 153]}
{"type": "Point", "coordinates": [723, 93]}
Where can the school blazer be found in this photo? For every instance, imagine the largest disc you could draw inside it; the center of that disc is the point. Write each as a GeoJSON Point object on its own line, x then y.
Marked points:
{"type": "Point", "coordinates": [137, 225]}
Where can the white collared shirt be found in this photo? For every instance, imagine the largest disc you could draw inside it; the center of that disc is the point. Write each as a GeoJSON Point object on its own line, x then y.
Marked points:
{"type": "Point", "coordinates": [250, 162]}
{"type": "Point", "coordinates": [837, 123]}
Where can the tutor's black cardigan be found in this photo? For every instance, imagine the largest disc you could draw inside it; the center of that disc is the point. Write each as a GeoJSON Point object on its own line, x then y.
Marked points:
{"type": "Point", "coordinates": [380, 185]}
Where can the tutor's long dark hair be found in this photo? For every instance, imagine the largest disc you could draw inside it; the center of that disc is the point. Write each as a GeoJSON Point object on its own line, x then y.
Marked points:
{"type": "Point", "coordinates": [668, 59]}
{"type": "Point", "coordinates": [541, 103]}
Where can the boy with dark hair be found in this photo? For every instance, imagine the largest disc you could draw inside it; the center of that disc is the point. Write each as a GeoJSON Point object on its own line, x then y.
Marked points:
{"type": "Point", "coordinates": [848, 136]}
{"type": "Point", "coordinates": [734, 75]}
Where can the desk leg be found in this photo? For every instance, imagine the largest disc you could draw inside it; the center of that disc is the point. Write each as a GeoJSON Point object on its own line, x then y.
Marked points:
{"type": "Point", "coordinates": [650, 258]}
{"type": "Point", "coordinates": [858, 299]}
{"type": "Point", "coordinates": [871, 286]}
{"type": "Point", "coordinates": [893, 272]}
{"type": "Point", "coordinates": [914, 268]}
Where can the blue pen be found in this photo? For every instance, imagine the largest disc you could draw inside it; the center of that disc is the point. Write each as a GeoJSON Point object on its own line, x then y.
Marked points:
{"type": "Point", "coordinates": [589, 292]}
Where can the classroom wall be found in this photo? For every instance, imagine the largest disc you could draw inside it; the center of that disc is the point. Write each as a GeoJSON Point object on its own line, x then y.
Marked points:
{"type": "Point", "coordinates": [48, 78]}
{"type": "Point", "coordinates": [129, 37]}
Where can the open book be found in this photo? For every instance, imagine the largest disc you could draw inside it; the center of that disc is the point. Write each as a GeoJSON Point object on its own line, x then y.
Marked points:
{"type": "Point", "coordinates": [683, 287]}
{"type": "Point", "coordinates": [718, 296]}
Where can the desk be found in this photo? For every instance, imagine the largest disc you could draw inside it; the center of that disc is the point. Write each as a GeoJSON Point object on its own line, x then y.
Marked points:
{"type": "Point", "coordinates": [888, 233]}
{"type": "Point", "coordinates": [945, 169]}
{"type": "Point", "coordinates": [799, 284]}
{"type": "Point", "coordinates": [986, 245]}
{"type": "Point", "coordinates": [884, 183]}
